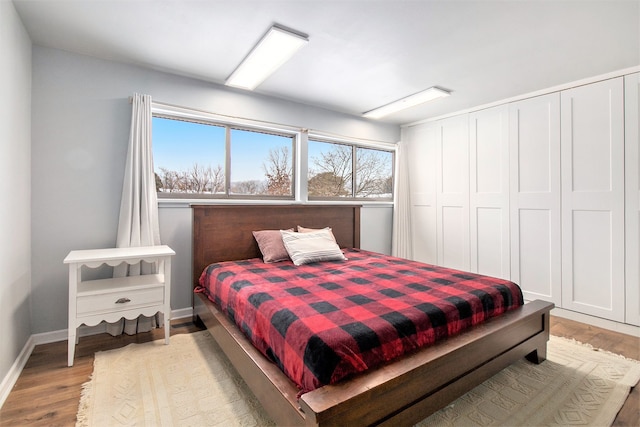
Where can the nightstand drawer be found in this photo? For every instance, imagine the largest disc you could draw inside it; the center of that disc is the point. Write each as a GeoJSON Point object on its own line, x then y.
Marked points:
{"type": "Point", "coordinates": [119, 301]}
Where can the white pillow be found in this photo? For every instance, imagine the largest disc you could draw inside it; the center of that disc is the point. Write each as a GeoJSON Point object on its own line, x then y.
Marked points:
{"type": "Point", "coordinates": [302, 229]}
{"type": "Point", "coordinates": [315, 246]}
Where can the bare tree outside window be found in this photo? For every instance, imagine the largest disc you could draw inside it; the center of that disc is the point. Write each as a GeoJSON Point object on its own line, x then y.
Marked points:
{"type": "Point", "coordinates": [202, 159]}
{"type": "Point", "coordinates": [198, 179]}
{"type": "Point", "coordinates": [190, 159]}
{"type": "Point", "coordinates": [278, 171]}
{"type": "Point", "coordinates": [374, 173]}
{"type": "Point", "coordinates": [251, 187]}
{"type": "Point", "coordinates": [262, 157]}
{"type": "Point", "coordinates": [331, 171]}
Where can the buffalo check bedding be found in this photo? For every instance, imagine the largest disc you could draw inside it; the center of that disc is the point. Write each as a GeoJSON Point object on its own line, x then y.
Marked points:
{"type": "Point", "coordinates": [326, 321]}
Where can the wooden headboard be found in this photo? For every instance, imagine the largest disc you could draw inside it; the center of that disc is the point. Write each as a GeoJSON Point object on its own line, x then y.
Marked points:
{"type": "Point", "coordinates": [223, 232]}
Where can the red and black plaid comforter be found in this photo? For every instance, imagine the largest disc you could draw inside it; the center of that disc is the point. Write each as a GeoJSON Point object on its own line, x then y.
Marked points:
{"type": "Point", "coordinates": [322, 322]}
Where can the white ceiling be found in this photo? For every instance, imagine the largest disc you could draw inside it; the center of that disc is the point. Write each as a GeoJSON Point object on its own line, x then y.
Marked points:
{"type": "Point", "coordinates": [361, 53]}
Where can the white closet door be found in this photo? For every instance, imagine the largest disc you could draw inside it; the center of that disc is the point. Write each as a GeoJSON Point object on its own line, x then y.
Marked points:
{"type": "Point", "coordinates": [535, 197]}
{"type": "Point", "coordinates": [632, 200]}
{"type": "Point", "coordinates": [422, 150]}
{"type": "Point", "coordinates": [452, 197]}
{"type": "Point", "coordinates": [489, 192]}
{"type": "Point", "coordinates": [592, 123]}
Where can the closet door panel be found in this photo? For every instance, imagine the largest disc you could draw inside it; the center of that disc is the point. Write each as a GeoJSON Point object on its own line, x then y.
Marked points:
{"type": "Point", "coordinates": [454, 150]}
{"type": "Point", "coordinates": [491, 256]}
{"type": "Point", "coordinates": [593, 199]}
{"type": "Point", "coordinates": [591, 258]}
{"type": "Point", "coordinates": [452, 196]}
{"type": "Point", "coordinates": [422, 153]}
{"type": "Point", "coordinates": [489, 191]}
{"type": "Point", "coordinates": [488, 149]}
{"type": "Point", "coordinates": [424, 234]}
{"type": "Point", "coordinates": [454, 237]}
{"type": "Point", "coordinates": [588, 140]}
{"type": "Point", "coordinates": [632, 198]}
{"type": "Point", "coordinates": [536, 144]}
{"type": "Point", "coordinates": [534, 141]}
{"type": "Point", "coordinates": [535, 233]}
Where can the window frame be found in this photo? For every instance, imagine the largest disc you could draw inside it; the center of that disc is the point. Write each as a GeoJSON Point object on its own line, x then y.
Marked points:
{"type": "Point", "coordinates": [354, 149]}
{"type": "Point", "coordinates": [230, 125]}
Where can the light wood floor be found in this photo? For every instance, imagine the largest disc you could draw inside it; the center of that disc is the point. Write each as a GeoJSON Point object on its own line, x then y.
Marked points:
{"type": "Point", "coordinates": [47, 392]}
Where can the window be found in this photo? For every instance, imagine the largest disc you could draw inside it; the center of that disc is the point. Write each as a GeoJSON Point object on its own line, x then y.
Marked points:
{"type": "Point", "coordinates": [188, 157]}
{"type": "Point", "coordinates": [199, 159]}
{"type": "Point", "coordinates": [261, 163]}
{"type": "Point", "coordinates": [340, 170]}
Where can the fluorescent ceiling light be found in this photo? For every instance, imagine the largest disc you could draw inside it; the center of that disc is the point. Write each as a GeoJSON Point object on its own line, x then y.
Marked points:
{"type": "Point", "coordinates": [408, 102]}
{"type": "Point", "coordinates": [273, 50]}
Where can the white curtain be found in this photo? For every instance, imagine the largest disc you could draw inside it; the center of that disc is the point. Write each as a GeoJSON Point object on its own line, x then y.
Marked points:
{"type": "Point", "coordinates": [401, 245]}
{"type": "Point", "coordinates": [138, 224]}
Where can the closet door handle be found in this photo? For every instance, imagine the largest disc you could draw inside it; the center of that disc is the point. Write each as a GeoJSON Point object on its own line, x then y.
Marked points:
{"type": "Point", "coordinates": [123, 301]}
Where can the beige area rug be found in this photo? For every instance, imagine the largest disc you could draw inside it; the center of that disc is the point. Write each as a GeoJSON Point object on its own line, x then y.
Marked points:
{"type": "Point", "coordinates": [191, 383]}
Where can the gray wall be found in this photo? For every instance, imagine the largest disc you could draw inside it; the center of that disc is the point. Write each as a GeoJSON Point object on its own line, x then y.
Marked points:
{"type": "Point", "coordinates": [81, 120]}
{"type": "Point", "coordinates": [15, 180]}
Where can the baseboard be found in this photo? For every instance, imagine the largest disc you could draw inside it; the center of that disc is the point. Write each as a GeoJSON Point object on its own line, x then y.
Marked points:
{"type": "Point", "coordinates": [14, 372]}
{"type": "Point", "coordinates": [85, 331]}
{"type": "Point", "coordinates": [610, 325]}
{"type": "Point", "coordinates": [55, 336]}
{"type": "Point", "coordinates": [63, 334]}
{"type": "Point", "coordinates": [182, 313]}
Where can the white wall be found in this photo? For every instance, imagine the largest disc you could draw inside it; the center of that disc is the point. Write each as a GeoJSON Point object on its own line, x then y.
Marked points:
{"type": "Point", "coordinates": [376, 224]}
{"type": "Point", "coordinates": [81, 120]}
{"type": "Point", "coordinates": [15, 180]}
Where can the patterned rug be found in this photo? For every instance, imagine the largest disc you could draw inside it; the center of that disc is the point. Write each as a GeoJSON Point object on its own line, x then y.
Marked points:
{"type": "Point", "coordinates": [191, 383]}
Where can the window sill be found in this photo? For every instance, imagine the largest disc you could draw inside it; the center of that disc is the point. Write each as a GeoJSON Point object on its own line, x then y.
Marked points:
{"type": "Point", "coordinates": [186, 203]}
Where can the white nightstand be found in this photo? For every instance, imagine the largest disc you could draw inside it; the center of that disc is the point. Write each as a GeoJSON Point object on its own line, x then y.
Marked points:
{"type": "Point", "coordinates": [94, 301]}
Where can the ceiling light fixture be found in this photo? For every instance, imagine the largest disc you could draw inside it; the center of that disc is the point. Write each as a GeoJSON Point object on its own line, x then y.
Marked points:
{"type": "Point", "coordinates": [408, 102]}
{"type": "Point", "coordinates": [274, 49]}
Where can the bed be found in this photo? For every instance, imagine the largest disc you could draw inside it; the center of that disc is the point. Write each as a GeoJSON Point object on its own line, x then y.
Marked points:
{"type": "Point", "coordinates": [400, 392]}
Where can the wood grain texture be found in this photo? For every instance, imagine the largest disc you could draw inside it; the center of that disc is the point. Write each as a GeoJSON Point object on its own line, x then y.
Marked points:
{"type": "Point", "coordinates": [223, 232]}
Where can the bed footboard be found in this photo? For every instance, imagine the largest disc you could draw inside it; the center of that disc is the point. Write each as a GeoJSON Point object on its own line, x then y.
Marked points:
{"type": "Point", "coordinates": [400, 393]}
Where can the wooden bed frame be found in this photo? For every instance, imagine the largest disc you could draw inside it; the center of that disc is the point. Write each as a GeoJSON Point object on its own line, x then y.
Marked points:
{"type": "Point", "coordinates": [400, 393]}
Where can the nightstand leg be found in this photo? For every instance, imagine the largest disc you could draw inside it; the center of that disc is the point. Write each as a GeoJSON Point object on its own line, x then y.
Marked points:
{"type": "Point", "coordinates": [72, 346]}
{"type": "Point", "coordinates": [167, 330]}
